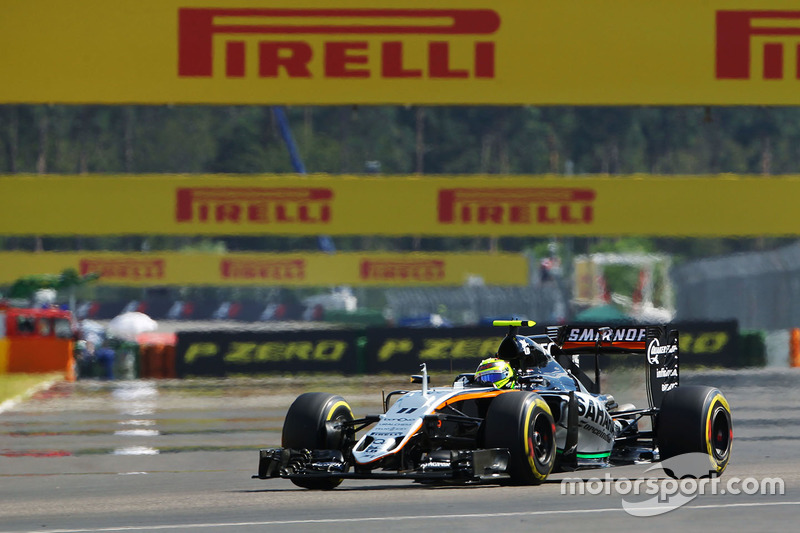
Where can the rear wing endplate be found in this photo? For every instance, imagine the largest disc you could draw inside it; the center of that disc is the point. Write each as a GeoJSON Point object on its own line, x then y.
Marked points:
{"type": "Point", "coordinates": [657, 344]}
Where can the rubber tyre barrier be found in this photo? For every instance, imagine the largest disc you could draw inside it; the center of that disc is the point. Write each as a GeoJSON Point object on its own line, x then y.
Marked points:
{"type": "Point", "coordinates": [695, 419]}
{"type": "Point", "coordinates": [304, 428]}
{"type": "Point", "coordinates": [523, 423]}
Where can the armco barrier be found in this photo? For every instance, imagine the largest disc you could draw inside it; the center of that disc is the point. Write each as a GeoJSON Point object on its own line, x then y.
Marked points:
{"type": "Point", "coordinates": [400, 350]}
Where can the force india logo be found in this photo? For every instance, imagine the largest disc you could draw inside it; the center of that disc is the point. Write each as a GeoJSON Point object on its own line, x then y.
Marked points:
{"type": "Point", "coordinates": [331, 43]}
{"type": "Point", "coordinates": [748, 39]}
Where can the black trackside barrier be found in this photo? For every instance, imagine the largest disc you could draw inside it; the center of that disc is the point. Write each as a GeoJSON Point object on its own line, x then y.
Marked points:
{"type": "Point", "coordinates": [707, 343]}
{"type": "Point", "coordinates": [226, 353]}
{"type": "Point", "coordinates": [444, 349]}
{"type": "Point", "coordinates": [710, 344]}
{"type": "Point", "coordinates": [402, 350]}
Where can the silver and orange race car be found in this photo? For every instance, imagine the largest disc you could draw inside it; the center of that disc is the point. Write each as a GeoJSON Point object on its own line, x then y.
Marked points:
{"type": "Point", "coordinates": [554, 419]}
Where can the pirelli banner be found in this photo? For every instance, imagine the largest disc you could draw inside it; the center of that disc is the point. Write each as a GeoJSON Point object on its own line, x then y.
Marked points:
{"type": "Point", "coordinates": [285, 270]}
{"type": "Point", "coordinates": [679, 206]}
{"type": "Point", "coordinates": [539, 52]}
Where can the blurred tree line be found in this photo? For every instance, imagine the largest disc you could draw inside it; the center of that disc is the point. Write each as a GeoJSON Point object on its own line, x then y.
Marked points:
{"type": "Point", "coordinates": [400, 140]}
{"type": "Point", "coordinates": [51, 139]}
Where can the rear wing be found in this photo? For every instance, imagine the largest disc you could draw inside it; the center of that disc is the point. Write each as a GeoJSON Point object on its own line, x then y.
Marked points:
{"type": "Point", "coordinates": [657, 344]}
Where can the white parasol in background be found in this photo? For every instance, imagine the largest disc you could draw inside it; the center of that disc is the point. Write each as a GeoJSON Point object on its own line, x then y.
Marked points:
{"type": "Point", "coordinates": [128, 325]}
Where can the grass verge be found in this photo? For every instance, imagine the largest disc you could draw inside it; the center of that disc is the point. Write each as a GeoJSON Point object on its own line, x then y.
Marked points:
{"type": "Point", "coordinates": [14, 386]}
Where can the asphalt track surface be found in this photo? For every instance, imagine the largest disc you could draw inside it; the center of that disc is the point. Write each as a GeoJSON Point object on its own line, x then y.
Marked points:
{"type": "Point", "coordinates": [177, 456]}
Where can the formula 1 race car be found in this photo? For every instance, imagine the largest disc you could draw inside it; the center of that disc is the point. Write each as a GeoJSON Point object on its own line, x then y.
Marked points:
{"type": "Point", "coordinates": [554, 419]}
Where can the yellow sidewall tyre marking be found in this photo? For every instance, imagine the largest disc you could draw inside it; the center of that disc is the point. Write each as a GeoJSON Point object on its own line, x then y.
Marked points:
{"type": "Point", "coordinates": [528, 452]}
{"type": "Point", "coordinates": [716, 465]}
{"type": "Point", "coordinates": [335, 406]}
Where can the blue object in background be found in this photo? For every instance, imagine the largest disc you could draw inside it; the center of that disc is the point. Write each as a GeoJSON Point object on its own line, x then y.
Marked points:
{"type": "Point", "coordinates": [105, 360]}
{"type": "Point", "coordinates": [488, 320]}
{"type": "Point", "coordinates": [286, 133]}
{"type": "Point", "coordinates": [424, 321]}
{"type": "Point", "coordinates": [324, 241]}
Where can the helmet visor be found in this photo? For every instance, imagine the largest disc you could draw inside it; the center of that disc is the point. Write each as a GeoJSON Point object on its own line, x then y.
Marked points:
{"type": "Point", "coordinates": [492, 377]}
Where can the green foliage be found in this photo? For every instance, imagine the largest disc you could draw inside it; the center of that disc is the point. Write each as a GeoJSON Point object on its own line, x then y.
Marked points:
{"type": "Point", "coordinates": [26, 286]}
{"type": "Point", "coordinates": [623, 245]}
{"type": "Point", "coordinates": [205, 245]}
{"type": "Point", "coordinates": [620, 278]}
{"type": "Point", "coordinates": [451, 140]}
{"type": "Point", "coordinates": [20, 386]}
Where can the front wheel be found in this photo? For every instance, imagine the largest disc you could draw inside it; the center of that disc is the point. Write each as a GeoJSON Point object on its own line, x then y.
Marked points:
{"type": "Point", "coordinates": [695, 420]}
{"type": "Point", "coordinates": [522, 423]}
{"type": "Point", "coordinates": [308, 427]}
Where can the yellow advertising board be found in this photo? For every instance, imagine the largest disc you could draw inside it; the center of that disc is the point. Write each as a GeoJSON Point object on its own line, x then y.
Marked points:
{"type": "Point", "coordinates": [284, 270]}
{"type": "Point", "coordinates": [538, 52]}
{"type": "Point", "coordinates": [680, 206]}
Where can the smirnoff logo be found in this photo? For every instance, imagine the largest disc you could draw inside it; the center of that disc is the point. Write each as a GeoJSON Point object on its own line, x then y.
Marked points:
{"type": "Point", "coordinates": [529, 205]}
{"type": "Point", "coordinates": [240, 205]}
{"type": "Point", "coordinates": [124, 269]}
{"type": "Point", "coordinates": [745, 38]}
{"type": "Point", "coordinates": [606, 335]}
{"type": "Point", "coordinates": [400, 270]}
{"type": "Point", "coordinates": [278, 270]}
{"type": "Point", "coordinates": [330, 43]}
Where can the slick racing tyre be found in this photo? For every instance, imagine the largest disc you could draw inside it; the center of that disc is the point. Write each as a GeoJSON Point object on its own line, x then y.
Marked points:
{"type": "Point", "coordinates": [695, 419]}
{"type": "Point", "coordinates": [523, 423]}
{"type": "Point", "coordinates": [307, 427]}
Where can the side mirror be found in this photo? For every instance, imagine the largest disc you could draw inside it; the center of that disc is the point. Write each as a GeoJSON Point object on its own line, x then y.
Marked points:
{"type": "Point", "coordinates": [422, 379]}
{"type": "Point", "coordinates": [419, 379]}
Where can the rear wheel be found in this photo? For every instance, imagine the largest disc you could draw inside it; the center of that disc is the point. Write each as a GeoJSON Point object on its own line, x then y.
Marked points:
{"type": "Point", "coordinates": [523, 423]}
{"type": "Point", "coordinates": [310, 425]}
{"type": "Point", "coordinates": [695, 419]}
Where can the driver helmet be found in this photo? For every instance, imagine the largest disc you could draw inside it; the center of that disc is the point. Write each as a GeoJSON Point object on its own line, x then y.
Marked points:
{"type": "Point", "coordinates": [496, 372]}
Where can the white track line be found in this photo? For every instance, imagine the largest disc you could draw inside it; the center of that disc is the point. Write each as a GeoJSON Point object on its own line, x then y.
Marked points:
{"type": "Point", "coordinates": [398, 518]}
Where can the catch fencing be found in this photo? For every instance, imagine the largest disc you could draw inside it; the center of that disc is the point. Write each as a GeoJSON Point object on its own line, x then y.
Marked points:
{"type": "Point", "coordinates": [544, 303]}
{"type": "Point", "coordinates": [761, 289]}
